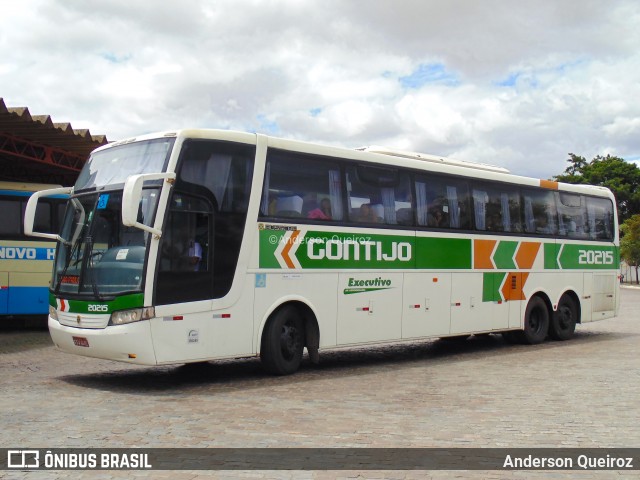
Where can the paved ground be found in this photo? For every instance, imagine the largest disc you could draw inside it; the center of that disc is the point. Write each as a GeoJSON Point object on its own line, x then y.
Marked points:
{"type": "Point", "coordinates": [482, 393]}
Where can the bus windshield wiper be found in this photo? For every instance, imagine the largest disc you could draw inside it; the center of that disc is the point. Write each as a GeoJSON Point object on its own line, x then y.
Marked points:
{"type": "Point", "coordinates": [89, 270]}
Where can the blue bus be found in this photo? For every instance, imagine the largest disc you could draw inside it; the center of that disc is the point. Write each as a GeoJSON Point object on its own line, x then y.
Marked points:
{"type": "Point", "coordinates": [26, 263]}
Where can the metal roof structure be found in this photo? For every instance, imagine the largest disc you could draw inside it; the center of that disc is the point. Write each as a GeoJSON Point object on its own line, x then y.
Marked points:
{"type": "Point", "coordinates": [35, 149]}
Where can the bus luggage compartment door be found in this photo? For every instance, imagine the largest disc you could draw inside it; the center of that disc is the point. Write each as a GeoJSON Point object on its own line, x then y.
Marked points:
{"type": "Point", "coordinates": [472, 308]}
{"type": "Point", "coordinates": [369, 307]}
{"type": "Point", "coordinates": [426, 308]}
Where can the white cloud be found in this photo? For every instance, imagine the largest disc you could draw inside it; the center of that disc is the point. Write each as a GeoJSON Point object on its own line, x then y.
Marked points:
{"type": "Point", "coordinates": [518, 84]}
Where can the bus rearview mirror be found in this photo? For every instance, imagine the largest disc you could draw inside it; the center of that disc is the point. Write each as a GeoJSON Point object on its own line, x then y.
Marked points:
{"type": "Point", "coordinates": [30, 211]}
{"type": "Point", "coordinates": [132, 195]}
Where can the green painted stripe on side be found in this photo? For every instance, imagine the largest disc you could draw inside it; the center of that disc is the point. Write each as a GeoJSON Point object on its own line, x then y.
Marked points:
{"type": "Point", "coordinates": [124, 302]}
{"type": "Point", "coordinates": [269, 241]}
{"type": "Point", "coordinates": [351, 291]}
{"type": "Point", "coordinates": [491, 283]}
{"type": "Point", "coordinates": [443, 253]}
{"type": "Point", "coordinates": [551, 256]}
{"type": "Point", "coordinates": [503, 256]}
{"type": "Point", "coordinates": [589, 257]}
{"type": "Point", "coordinates": [364, 251]}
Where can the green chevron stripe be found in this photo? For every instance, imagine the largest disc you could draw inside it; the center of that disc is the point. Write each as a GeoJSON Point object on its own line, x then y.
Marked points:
{"type": "Point", "coordinates": [503, 256]}
{"type": "Point", "coordinates": [491, 283]}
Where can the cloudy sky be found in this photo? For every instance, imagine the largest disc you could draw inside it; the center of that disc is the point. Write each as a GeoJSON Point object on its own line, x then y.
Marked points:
{"type": "Point", "coordinates": [514, 83]}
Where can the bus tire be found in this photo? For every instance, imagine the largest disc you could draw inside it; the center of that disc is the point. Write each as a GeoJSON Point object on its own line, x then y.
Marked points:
{"type": "Point", "coordinates": [536, 322]}
{"type": "Point", "coordinates": [283, 342]}
{"type": "Point", "coordinates": [563, 322]}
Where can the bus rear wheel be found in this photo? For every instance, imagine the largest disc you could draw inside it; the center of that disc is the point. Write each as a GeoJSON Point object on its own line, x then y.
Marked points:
{"type": "Point", "coordinates": [536, 322]}
{"type": "Point", "coordinates": [283, 342]}
{"type": "Point", "coordinates": [563, 322]}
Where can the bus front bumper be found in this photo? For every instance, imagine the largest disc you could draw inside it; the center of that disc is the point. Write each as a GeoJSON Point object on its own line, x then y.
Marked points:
{"type": "Point", "coordinates": [129, 343]}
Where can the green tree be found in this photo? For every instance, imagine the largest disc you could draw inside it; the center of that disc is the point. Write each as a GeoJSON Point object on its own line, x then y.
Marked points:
{"type": "Point", "coordinates": [630, 242]}
{"type": "Point", "coordinates": [615, 173]}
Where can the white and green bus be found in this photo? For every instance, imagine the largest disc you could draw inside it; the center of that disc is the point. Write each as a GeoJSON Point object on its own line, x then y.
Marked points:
{"type": "Point", "coordinates": [197, 245]}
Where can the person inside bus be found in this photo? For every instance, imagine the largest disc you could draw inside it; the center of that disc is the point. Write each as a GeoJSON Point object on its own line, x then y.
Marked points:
{"type": "Point", "coordinates": [542, 224]}
{"type": "Point", "coordinates": [194, 255]}
{"type": "Point", "coordinates": [437, 218]}
{"type": "Point", "coordinates": [323, 212]}
{"type": "Point", "coordinates": [367, 214]}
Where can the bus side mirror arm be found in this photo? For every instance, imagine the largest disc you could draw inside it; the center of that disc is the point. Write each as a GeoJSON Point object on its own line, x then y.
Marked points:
{"type": "Point", "coordinates": [30, 212]}
{"type": "Point", "coordinates": [131, 196]}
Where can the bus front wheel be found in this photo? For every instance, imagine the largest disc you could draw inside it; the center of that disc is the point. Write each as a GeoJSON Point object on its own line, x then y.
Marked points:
{"type": "Point", "coordinates": [536, 322]}
{"type": "Point", "coordinates": [563, 322]}
{"type": "Point", "coordinates": [283, 342]}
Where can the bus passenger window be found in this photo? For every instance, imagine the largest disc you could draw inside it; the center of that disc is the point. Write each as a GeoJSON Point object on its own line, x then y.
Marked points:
{"type": "Point", "coordinates": [572, 215]}
{"type": "Point", "coordinates": [300, 186]}
{"type": "Point", "coordinates": [442, 202]}
{"type": "Point", "coordinates": [600, 214]}
{"type": "Point", "coordinates": [11, 219]}
{"type": "Point", "coordinates": [540, 212]}
{"type": "Point", "coordinates": [379, 195]}
{"type": "Point", "coordinates": [43, 221]}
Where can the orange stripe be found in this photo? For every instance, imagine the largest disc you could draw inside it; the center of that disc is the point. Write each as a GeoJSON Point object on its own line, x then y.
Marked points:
{"type": "Point", "coordinates": [285, 250]}
{"type": "Point", "coordinates": [513, 286]}
{"type": "Point", "coordinates": [550, 184]}
{"type": "Point", "coordinates": [526, 254]}
{"type": "Point", "coordinates": [482, 250]}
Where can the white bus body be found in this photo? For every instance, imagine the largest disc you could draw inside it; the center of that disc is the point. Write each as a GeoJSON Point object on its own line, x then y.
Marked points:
{"type": "Point", "coordinates": [196, 245]}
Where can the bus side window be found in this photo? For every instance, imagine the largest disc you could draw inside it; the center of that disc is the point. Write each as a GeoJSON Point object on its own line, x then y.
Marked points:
{"type": "Point", "coordinates": [496, 207]}
{"type": "Point", "coordinates": [540, 212]}
{"type": "Point", "coordinates": [186, 258]}
{"type": "Point", "coordinates": [600, 215]}
{"type": "Point", "coordinates": [297, 186]}
{"type": "Point", "coordinates": [442, 202]}
{"type": "Point", "coordinates": [11, 218]}
{"type": "Point", "coordinates": [43, 221]}
{"type": "Point", "coordinates": [185, 246]}
{"type": "Point", "coordinates": [379, 195]}
{"type": "Point", "coordinates": [572, 215]}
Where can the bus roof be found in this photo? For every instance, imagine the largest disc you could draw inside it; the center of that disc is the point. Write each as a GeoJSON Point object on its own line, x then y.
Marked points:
{"type": "Point", "coordinates": [376, 154]}
{"type": "Point", "coordinates": [433, 158]}
{"type": "Point", "coordinates": [26, 187]}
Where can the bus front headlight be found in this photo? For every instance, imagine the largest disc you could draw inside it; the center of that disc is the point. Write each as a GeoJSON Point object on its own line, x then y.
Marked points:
{"type": "Point", "coordinates": [123, 317]}
{"type": "Point", "coordinates": [53, 313]}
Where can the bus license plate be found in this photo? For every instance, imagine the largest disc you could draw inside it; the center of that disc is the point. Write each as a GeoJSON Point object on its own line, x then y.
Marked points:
{"type": "Point", "coordinates": [80, 342]}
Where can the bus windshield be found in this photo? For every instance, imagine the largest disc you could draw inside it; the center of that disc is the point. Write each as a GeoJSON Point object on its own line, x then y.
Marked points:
{"type": "Point", "coordinates": [98, 256]}
{"type": "Point", "coordinates": [113, 165]}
